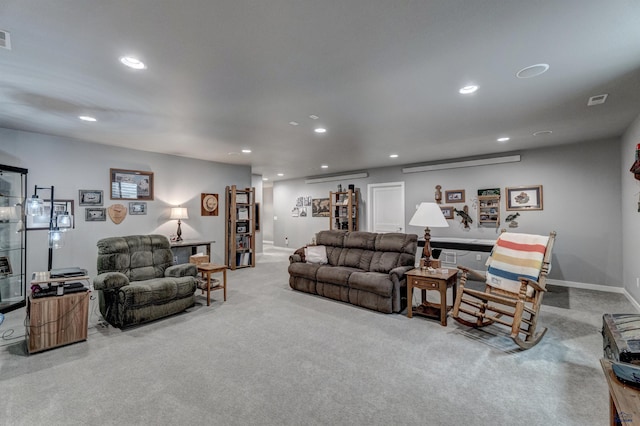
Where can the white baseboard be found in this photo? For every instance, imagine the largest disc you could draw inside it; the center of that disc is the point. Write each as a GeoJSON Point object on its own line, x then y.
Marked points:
{"type": "Point", "coordinates": [597, 287]}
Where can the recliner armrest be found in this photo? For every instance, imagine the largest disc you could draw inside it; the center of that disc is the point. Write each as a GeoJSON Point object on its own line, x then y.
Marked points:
{"type": "Point", "coordinates": [182, 270]}
{"type": "Point", "coordinates": [399, 272]}
{"type": "Point", "coordinates": [110, 281]}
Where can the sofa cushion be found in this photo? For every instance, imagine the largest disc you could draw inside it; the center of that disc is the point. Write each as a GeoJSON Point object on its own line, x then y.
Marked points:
{"type": "Point", "coordinates": [316, 254]}
{"type": "Point", "coordinates": [338, 275]}
{"type": "Point", "coordinates": [384, 261]}
{"type": "Point", "coordinates": [396, 242]}
{"type": "Point", "coordinates": [333, 255]}
{"type": "Point", "coordinates": [372, 282]}
{"type": "Point", "coordinates": [333, 238]}
{"type": "Point", "coordinates": [304, 270]}
{"type": "Point", "coordinates": [360, 239]}
{"type": "Point", "coordinates": [156, 291]}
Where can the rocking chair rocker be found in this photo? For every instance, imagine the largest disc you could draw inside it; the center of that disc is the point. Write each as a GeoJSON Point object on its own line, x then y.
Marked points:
{"type": "Point", "coordinates": [515, 283]}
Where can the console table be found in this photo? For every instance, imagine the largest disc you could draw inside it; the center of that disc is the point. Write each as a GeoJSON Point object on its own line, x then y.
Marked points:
{"type": "Point", "coordinates": [193, 244]}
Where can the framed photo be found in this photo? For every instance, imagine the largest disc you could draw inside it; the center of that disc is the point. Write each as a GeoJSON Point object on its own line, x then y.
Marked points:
{"type": "Point", "coordinates": [131, 185]}
{"type": "Point", "coordinates": [137, 207]}
{"type": "Point", "coordinates": [241, 228]}
{"type": "Point", "coordinates": [447, 211]}
{"type": "Point", "coordinates": [208, 204]}
{"type": "Point", "coordinates": [455, 196]}
{"type": "Point", "coordinates": [524, 197]}
{"type": "Point", "coordinates": [90, 197]}
{"type": "Point", "coordinates": [320, 207]}
{"type": "Point", "coordinates": [95, 214]}
{"type": "Point", "coordinates": [242, 198]}
{"type": "Point", "coordinates": [59, 207]}
{"type": "Point", "coordinates": [5, 266]}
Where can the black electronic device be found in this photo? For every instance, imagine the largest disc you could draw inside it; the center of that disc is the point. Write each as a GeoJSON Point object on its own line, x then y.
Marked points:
{"type": "Point", "coordinates": [68, 272]}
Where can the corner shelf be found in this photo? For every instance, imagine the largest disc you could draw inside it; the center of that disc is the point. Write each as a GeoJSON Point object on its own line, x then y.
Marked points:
{"type": "Point", "coordinates": [240, 241]}
{"type": "Point", "coordinates": [344, 210]}
{"type": "Point", "coordinates": [489, 210]}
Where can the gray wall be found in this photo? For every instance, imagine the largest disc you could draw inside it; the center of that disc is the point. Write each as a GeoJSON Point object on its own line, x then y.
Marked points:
{"type": "Point", "coordinates": [267, 213]}
{"type": "Point", "coordinates": [580, 183]}
{"type": "Point", "coordinates": [630, 214]}
{"type": "Point", "coordinates": [71, 165]}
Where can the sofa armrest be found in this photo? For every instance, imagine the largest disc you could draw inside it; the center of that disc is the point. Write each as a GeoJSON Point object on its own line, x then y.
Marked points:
{"type": "Point", "coordinates": [182, 270]}
{"type": "Point", "coordinates": [110, 281]}
{"type": "Point", "coordinates": [297, 256]}
{"type": "Point", "coordinates": [398, 273]}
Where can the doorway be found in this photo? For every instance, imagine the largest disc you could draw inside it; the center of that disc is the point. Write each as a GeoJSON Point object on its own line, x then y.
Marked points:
{"type": "Point", "coordinates": [385, 209]}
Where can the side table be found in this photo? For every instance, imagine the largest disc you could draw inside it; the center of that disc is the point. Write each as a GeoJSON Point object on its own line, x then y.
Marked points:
{"type": "Point", "coordinates": [624, 401]}
{"type": "Point", "coordinates": [439, 280]}
{"type": "Point", "coordinates": [206, 269]}
{"type": "Point", "coordinates": [54, 321]}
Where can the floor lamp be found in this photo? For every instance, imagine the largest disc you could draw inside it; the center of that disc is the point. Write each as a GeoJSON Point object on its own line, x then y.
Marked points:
{"type": "Point", "coordinates": [428, 215]}
{"type": "Point", "coordinates": [35, 207]}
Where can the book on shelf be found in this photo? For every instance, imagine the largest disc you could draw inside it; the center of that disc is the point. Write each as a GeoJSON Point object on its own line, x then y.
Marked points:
{"type": "Point", "coordinates": [243, 213]}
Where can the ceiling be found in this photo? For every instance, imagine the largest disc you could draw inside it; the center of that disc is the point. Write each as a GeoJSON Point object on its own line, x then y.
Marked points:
{"type": "Point", "coordinates": [382, 76]}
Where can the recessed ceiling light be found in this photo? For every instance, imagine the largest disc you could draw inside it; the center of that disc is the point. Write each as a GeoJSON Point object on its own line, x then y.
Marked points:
{"type": "Point", "coordinates": [294, 123]}
{"type": "Point", "coordinates": [265, 178]}
{"type": "Point", "coordinates": [532, 71]}
{"type": "Point", "coordinates": [504, 139]}
{"type": "Point", "coordinates": [325, 166]}
{"type": "Point", "coordinates": [280, 174]}
{"type": "Point", "coordinates": [87, 118]}
{"type": "Point", "coordinates": [393, 156]}
{"type": "Point", "coordinates": [597, 100]}
{"type": "Point", "coordinates": [132, 62]}
{"type": "Point", "coordinates": [542, 132]}
{"type": "Point", "coordinates": [246, 151]}
{"type": "Point", "coordinates": [320, 130]}
{"type": "Point", "coordinates": [467, 90]}
{"type": "Point", "coordinates": [313, 117]}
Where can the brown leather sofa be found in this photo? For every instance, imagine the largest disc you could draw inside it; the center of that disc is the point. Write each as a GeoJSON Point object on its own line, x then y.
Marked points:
{"type": "Point", "coordinates": [362, 268]}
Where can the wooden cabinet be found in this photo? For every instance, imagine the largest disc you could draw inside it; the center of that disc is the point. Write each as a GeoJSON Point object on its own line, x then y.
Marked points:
{"type": "Point", "coordinates": [240, 237]}
{"type": "Point", "coordinates": [489, 210]}
{"type": "Point", "coordinates": [13, 258]}
{"type": "Point", "coordinates": [344, 210]}
{"type": "Point", "coordinates": [57, 320]}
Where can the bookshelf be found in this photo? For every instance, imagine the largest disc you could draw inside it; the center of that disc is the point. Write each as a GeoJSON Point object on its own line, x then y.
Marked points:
{"type": "Point", "coordinates": [240, 237]}
{"type": "Point", "coordinates": [344, 210]}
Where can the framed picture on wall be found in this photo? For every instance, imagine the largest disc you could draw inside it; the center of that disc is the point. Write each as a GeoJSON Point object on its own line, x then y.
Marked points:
{"type": "Point", "coordinates": [137, 208]}
{"type": "Point", "coordinates": [131, 184]}
{"type": "Point", "coordinates": [455, 196]}
{"type": "Point", "coordinates": [95, 214]}
{"type": "Point", "coordinates": [90, 197]}
{"type": "Point", "coordinates": [447, 211]}
{"type": "Point", "coordinates": [524, 197]}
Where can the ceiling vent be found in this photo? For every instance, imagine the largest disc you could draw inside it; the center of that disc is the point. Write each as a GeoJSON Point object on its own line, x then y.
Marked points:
{"type": "Point", "coordinates": [5, 40]}
{"type": "Point", "coordinates": [597, 100]}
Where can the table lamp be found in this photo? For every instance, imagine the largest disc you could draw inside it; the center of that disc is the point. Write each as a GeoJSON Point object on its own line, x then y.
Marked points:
{"type": "Point", "coordinates": [428, 215]}
{"type": "Point", "coordinates": [179, 213]}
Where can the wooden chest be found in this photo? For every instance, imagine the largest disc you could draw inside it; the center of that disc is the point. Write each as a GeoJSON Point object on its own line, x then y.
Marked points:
{"type": "Point", "coordinates": [621, 337]}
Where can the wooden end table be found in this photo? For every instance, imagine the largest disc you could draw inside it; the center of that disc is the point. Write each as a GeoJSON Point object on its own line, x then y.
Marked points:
{"type": "Point", "coordinates": [624, 407]}
{"type": "Point", "coordinates": [206, 269]}
{"type": "Point", "coordinates": [425, 280]}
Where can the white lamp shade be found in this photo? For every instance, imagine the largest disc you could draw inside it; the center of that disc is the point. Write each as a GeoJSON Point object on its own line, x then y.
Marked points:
{"type": "Point", "coordinates": [179, 213]}
{"type": "Point", "coordinates": [35, 207]}
{"type": "Point", "coordinates": [429, 215]}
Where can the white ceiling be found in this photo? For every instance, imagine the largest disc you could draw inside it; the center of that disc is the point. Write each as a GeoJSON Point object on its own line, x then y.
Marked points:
{"type": "Point", "coordinates": [381, 75]}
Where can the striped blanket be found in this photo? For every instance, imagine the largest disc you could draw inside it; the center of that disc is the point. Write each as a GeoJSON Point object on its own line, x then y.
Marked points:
{"type": "Point", "coordinates": [515, 255]}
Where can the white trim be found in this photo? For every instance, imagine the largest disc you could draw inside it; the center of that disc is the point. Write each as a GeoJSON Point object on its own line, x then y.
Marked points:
{"type": "Point", "coordinates": [596, 287]}
{"type": "Point", "coordinates": [459, 164]}
{"type": "Point", "coordinates": [337, 177]}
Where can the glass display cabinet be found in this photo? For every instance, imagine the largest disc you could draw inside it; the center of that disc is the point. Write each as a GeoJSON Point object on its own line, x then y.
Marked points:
{"type": "Point", "coordinates": [13, 250]}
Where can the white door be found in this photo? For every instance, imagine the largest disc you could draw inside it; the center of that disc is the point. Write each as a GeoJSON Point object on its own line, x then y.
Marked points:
{"type": "Point", "coordinates": [385, 209]}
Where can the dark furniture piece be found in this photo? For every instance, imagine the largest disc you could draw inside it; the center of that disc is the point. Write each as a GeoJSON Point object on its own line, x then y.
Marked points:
{"type": "Point", "coordinates": [621, 337]}
{"type": "Point", "coordinates": [623, 400]}
{"type": "Point", "coordinates": [439, 281]}
{"type": "Point", "coordinates": [363, 268]}
{"type": "Point", "coordinates": [138, 282]}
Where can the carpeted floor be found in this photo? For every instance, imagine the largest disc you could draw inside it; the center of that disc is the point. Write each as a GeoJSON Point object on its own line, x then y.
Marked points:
{"type": "Point", "coordinates": [273, 356]}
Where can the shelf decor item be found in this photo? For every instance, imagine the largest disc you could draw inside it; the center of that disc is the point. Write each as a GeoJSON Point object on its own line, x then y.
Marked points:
{"type": "Point", "coordinates": [208, 204]}
{"type": "Point", "coordinates": [524, 197]}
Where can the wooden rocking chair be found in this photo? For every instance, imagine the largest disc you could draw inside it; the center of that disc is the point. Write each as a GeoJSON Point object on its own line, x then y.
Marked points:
{"type": "Point", "coordinates": [514, 285]}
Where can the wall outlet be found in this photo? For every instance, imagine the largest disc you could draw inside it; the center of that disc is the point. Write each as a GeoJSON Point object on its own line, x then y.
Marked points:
{"type": "Point", "coordinates": [478, 257]}
{"type": "Point", "coordinates": [175, 260]}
